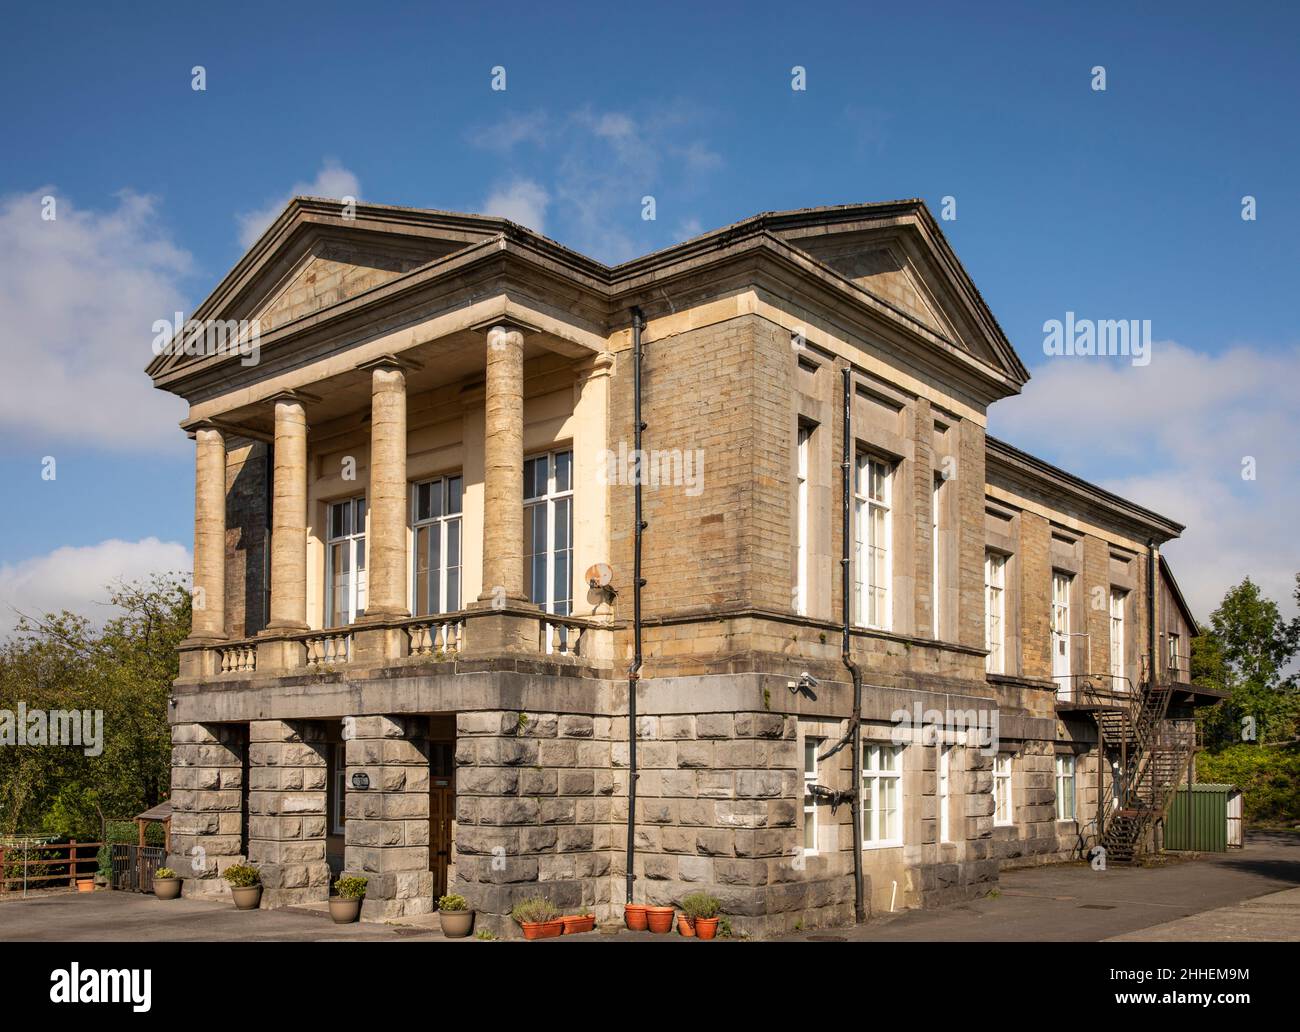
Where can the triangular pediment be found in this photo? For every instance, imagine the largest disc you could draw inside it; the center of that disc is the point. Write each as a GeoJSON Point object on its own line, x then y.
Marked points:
{"type": "Point", "coordinates": [896, 253]}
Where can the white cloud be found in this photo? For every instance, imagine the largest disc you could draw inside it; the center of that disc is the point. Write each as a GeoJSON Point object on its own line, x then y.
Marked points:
{"type": "Point", "coordinates": [333, 181]}
{"type": "Point", "coordinates": [78, 298]}
{"type": "Point", "coordinates": [78, 578]}
{"type": "Point", "coordinates": [594, 168]}
{"type": "Point", "coordinates": [522, 201]}
{"type": "Point", "coordinates": [1172, 436]}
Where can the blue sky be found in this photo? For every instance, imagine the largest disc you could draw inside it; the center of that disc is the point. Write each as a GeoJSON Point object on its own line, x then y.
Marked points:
{"type": "Point", "coordinates": [1114, 205]}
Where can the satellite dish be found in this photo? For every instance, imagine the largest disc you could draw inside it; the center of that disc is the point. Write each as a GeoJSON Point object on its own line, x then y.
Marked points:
{"type": "Point", "coordinates": [599, 575]}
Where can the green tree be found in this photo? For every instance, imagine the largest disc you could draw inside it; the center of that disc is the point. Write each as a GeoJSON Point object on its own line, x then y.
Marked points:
{"type": "Point", "coordinates": [1244, 652]}
{"type": "Point", "coordinates": [124, 670]}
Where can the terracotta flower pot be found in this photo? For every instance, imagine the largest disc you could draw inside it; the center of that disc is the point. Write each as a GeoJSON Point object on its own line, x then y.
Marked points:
{"type": "Point", "coordinates": [660, 919]}
{"type": "Point", "coordinates": [247, 897]}
{"type": "Point", "coordinates": [345, 911]}
{"type": "Point", "coordinates": [85, 884]}
{"type": "Point", "coordinates": [685, 927]}
{"type": "Point", "coordinates": [456, 923]}
{"type": "Point", "coordinates": [543, 929]}
{"type": "Point", "coordinates": [167, 888]}
{"type": "Point", "coordinates": [578, 924]}
{"type": "Point", "coordinates": [634, 915]}
{"type": "Point", "coordinates": [706, 927]}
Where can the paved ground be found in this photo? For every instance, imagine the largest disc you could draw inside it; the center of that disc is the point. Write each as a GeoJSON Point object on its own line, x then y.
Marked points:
{"type": "Point", "coordinates": [1071, 901]}
{"type": "Point", "coordinates": [1248, 894]}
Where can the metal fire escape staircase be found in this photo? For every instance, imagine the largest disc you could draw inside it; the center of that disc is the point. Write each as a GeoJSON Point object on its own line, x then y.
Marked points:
{"type": "Point", "coordinates": [1152, 752]}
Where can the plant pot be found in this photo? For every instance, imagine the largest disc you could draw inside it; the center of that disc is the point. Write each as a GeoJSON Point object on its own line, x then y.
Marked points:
{"type": "Point", "coordinates": [85, 884]}
{"type": "Point", "coordinates": [686, 927]}
{"type": "Point", "coordinates": [246, 897]}
{"type": "Point", "coordinates": [578, 924]}
{"type": "Point", "coordinates": [660, 919]}
{"type": "Point", "coordinates": [706, 927]}
{"type": "Point", "coordinates": [543, 929]}
{"type": "Point", "coordinates": [634, 917]}
{"type": "Point", "coordinates": [345, 911]}
{"type": "Point", "coordinates": [167, 888]}
{"type": "Point", "coordinates": [456, 924]}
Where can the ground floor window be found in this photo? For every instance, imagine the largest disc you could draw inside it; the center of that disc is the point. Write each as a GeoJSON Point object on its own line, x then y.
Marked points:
{"type": "Point", "coordinates": [810, 747]}
{"type": "Point", "coordinates": [1065, 788]}
{"type": "Point", "coordinates": [1002, 805]}
{"type": "Point", "coordinates": [338, 784]}
{"type": "Point", "coordinates": [882, 774]}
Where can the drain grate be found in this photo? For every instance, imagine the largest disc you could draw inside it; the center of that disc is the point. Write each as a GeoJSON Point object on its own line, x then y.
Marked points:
{"type": "Point", "coordinates": [1095, 906]}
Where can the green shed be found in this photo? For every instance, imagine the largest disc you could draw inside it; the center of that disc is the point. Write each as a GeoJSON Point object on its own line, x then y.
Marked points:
{"type": "Point", "coordinates": [1206, 819]}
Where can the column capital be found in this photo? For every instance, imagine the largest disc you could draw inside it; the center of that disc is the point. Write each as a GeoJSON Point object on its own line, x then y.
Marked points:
{"type": "Point", "coordinates": [395, 363]}
{"type": "Point", "coordinates": [294, 396]}
{"type": "Point", "coordinates": [506, 324]}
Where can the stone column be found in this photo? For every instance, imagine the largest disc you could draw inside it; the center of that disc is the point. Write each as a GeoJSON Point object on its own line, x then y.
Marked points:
{"type": "Point", "coordinates": [208, 617]}
{"type": "Point", "coordinates": [288, 767]}
{"type": "Point", "coordinates": [289, 518]}
{"type": "Point", "coordinates": [207, 781]}
{"type": "Point", "coordinates": [387, 840]}
{"type": "Point", "coordinates": [503, 467]}
{"type": "Point", "coordinates": [386, 543]}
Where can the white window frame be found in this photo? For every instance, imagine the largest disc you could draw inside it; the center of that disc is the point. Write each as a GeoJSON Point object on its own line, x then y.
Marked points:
{"type": "Point", "coordinates": [803, 446]}
{"type": "Point", "coordinates": [811, 744]}
{"type": "Point", "coordinates": [872, 585]}
{"type": "Point", "coordinates": [1066, 770]}
{"type": "Point", "coordinates": [338, 812]}
{"type": "Point", "coordinates": [1004, 813]}
{"type": "Point", "coordinates": [1118, 604]}
{"type": "Point", "coordinates": [1062, 585]}
{"type": "Point", "coordinates": [936, 531]}
{"type": "Point", "coordinates": [995, 612]}
{"type": "Point", "coordinates": [561, 606]}
{"type": "Point", "coordinates": [442, 525]}
{"type": "Point", "coordinates": [351, 542]}
{"type": "Point", "coordinates": [876, 777]}
{"type": "Point", "coordinates": [1173, 660]}
{"type": "Point", "coordinates": [943, 774]}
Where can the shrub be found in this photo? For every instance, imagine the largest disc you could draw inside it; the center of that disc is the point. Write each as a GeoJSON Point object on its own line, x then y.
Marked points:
{"type": "Point", "coordinates": [105, 860]}
{"type": "Point", "coordinates": [164, 872]}
{"type": "Point", "coordinates": [242, 876]}
{"type": "Point", "coordinates": [350, 887]}
{"type": "Point", "coordinates": [701, 904]}
{"type": "Point", "coordinates": [452, 902]}
{"type": "Point", "coordinates": [534, 910]}
{"type": "Point", "coordinates": [1268, 776]}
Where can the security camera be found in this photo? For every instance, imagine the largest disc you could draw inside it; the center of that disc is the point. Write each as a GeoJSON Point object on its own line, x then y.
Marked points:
{"type": "Point", "coordinates": [807, 680]}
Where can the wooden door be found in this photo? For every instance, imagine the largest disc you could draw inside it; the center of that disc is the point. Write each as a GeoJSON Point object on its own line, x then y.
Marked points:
{"type": "Point", "coordinates": [442, 811]}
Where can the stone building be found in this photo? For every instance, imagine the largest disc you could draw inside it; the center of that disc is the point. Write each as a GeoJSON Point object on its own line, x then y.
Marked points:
{"type": "Point", "coordinates": [415, 535]}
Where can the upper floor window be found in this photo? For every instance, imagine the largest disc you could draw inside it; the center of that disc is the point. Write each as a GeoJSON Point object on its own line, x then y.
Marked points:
{"type": "Point", "coordinates": [995, 571]}
{"type": "Point", "coordinates": [436, 518]}
{"type": "Point", "coordinates": [1175, 659]}
{"type": "Point", "coordinates": [936, 567]}
{"type": "Point", "coordinates": [1117, 599]}
{"type": "Point", "coordinates": [871, 551]}
{"type": "Point", "coordinates": [548, 531]}
{"type": "Point", "coordinates": [1061, 584]}
{"type": "Point", "coordinates": [882, 775]}
{"type": "Point", "coordinates": [345, 563]}
{"type": "Point", "coordinates": [801, 519]}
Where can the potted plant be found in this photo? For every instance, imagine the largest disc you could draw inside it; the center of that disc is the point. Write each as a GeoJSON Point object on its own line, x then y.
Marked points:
{"type": "Point", "coordinates": [660, 919]}
{"type": "Point", "coordinates": [578, 923]}
{"type": "Point", "coordinates": [166, 883]}
{"type": "Point", "coordinates": [346, 906]}
{"type": "Point", "coordinates": [634, 917]}
{"type": "Point", "coordinates": [538, 918]}
{"type": "Point", "coordinates": [685, 926]}
{"type": "Point", "coordinates": [703, 909]}
{"type": "Point", "coordinates": [455, 916]}
{"type": "Point", "coordinates": [245, 886]}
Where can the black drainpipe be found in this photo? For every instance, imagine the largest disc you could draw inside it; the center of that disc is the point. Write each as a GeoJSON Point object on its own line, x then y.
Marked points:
{"type": "Point", "coordinates": [1151, 611]}
{"type": "Point", "coordinates": [855, 728]}
{"type": "Point", "coordinates": [634, 671]}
